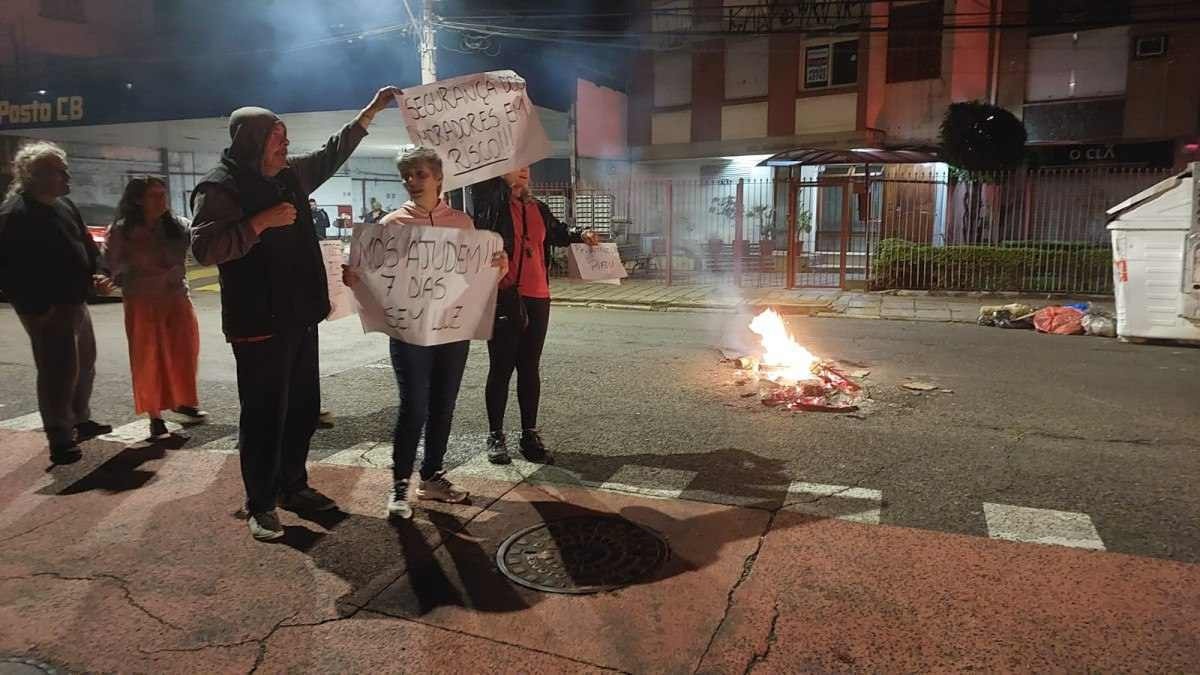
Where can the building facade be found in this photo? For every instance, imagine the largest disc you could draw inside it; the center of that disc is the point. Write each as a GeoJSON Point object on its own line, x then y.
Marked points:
{"type": "Point", "coordinates": [732, 78]}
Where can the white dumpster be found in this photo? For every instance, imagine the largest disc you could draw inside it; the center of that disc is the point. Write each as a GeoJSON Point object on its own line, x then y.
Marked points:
{"type": "Point", "coordinates": [1156, 261]}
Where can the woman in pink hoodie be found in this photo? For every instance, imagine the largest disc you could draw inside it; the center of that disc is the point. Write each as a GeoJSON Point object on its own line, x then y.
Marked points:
{"type": "Point", "coordinates": [428, 377]}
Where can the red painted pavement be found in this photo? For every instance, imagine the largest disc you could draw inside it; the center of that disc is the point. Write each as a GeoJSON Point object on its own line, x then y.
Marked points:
{"type": "Point", "coordinates": [133, 561]}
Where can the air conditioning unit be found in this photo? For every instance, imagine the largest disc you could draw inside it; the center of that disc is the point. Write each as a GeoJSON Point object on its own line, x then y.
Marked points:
{"type": "Point", "coordinates": [1150, 46]}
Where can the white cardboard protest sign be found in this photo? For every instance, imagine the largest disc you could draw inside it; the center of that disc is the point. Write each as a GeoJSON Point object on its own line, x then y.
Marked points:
{"type": "Point", "coordinates": [425, 285]}
{"type": "Point", "coordinates": [482, 125]}
{"type": "Point", "coordinates": [599, 264]}
{"type": "Point", "coordinates": [341, 305]}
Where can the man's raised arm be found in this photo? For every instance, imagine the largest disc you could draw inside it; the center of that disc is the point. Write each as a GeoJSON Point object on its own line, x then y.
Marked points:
{"type": "Point", "coordinates": [319, 166]}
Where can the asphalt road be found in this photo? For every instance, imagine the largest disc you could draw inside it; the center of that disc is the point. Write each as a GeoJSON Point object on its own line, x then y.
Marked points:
{"type": "Point", "coordinates": [1070, 425]}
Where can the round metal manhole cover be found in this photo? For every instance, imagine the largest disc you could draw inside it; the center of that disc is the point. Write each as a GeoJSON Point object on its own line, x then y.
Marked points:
{"type": "Point", "coordinates": [582, 555]}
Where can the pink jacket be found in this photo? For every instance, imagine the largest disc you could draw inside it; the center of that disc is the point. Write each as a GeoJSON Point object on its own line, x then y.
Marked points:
{"type": "Point", "coordinates": [441, 216]}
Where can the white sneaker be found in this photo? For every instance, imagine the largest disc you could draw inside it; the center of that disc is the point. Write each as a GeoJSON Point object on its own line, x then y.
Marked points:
{"type": "Point", "coordinates": [398, 506]}
{"type": "Point", "coordinates": [439, 488]}
{"type": "Point", "coordinates": [265, 526]}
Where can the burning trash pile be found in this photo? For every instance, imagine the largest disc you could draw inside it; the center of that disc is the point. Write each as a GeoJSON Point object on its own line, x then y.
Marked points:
{"type": "Point", "coordinates": [793, 378]}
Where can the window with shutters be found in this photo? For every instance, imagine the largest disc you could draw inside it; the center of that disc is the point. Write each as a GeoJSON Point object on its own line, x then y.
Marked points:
{"type": "Point", "coordinates": [672, 79]}
{"type": "Point", "coordinates": [746, 72]}
{"type": "Point", "coordinates": [914, 42]}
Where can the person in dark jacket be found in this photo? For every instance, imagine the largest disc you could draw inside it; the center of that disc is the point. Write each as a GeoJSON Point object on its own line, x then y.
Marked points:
{"type": "Point", "coordinates": [48, 266]}
{"type": "Point", "coordinates": [505, 205]}
{"type": "Point", "coordinates": [253, 220]}
{"type": "Point", "coordinates": [320, 219]}
{"type": "Point", "coordinates": [375, 213]}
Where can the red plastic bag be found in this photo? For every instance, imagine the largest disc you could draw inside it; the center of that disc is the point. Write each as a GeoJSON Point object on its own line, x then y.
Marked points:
{"type": "Point", "coordinates": [1059, 320]}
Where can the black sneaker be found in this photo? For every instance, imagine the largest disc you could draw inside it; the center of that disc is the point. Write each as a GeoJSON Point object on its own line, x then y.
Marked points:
{"type": "Point", "coordinates": [65, 453]}
{"type": "Point", "coordinates": [196, 414]}
{"type": "Point", "coordinates": [306, 500]}
{"type": "Point", "coordinates": [533, 449]}
{"type": "Point", "coordinates": [158, 430]}
{"type": "Point", "coordinates": [325, 420]}
{"type": "Point", "coordinates": [91, 429]}
{"type": "Point", "coordinates": [497, 448]}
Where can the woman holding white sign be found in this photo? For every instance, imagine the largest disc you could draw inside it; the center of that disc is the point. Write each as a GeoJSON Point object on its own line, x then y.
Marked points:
{"type": "Point", "coordinates": [506, 206]}
{"type": "Point", "coordinates": [428, 378]}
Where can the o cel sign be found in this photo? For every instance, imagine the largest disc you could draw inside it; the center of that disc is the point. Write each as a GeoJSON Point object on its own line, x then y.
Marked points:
{"type": "Point", "coordinates": [62, 109]}
{"type": "Point", "coordinates": [1093, 153]}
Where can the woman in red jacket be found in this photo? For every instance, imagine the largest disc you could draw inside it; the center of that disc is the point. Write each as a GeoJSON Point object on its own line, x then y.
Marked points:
{"type": "Point", "coordinates": [506, 206]}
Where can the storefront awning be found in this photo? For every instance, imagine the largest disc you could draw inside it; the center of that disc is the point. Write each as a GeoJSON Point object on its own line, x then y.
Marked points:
{"type": "Point", "coordinates": [904, 154]}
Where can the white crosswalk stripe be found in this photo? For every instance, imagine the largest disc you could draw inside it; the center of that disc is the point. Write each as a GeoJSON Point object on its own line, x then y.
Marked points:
{"type": "Point", "coordinates": [30, 422]}
{"type": "Point", "coordinates": [649, 481]}
{"type": "Point", "coordinates": [850, 503]}
{"type": "Point", "coordinates": [1041, 526]}
{"type": "Point", "coordinates": [225, 445]}
{"type": "Point", "coordinates": [855, 504]}
{"type": "Point", "coordinates": [370, 455]}
{"type": "Point", "coordinates": [136, 432]}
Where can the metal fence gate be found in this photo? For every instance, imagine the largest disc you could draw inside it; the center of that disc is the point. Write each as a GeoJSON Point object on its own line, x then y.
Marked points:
{"type": "Point", "coordinates": [901, 226]}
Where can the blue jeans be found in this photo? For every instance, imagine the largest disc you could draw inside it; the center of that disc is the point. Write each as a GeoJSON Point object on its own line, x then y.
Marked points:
{"type": "Point", "coordinates": [428, 379]}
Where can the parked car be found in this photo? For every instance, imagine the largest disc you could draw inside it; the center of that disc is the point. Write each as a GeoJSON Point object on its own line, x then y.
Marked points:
{"type": "Point", "coordinates": [97, 218]}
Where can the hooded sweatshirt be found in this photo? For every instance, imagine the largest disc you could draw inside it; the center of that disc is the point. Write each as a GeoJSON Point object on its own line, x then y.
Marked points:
{"type": "Point", "coordinates": [274, 281]}
{"type": "Point", "coordinates": [442, 215]}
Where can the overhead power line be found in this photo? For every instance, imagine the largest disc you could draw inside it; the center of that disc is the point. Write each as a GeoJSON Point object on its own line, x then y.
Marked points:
{"type": "Point", "coordinates": [642, 40]}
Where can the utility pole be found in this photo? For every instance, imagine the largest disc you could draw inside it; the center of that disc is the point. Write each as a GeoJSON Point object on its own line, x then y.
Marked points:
{"type": "Point", "coordinates": [427, 44]}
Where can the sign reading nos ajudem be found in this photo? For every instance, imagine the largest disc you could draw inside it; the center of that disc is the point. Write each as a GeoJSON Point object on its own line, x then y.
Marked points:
{"type": "Point", "coordinates": [482, 125]}
{"type": "Point", "coordinates": [61, 109]}
{"type": "Point", "coordinates": [425, 285]}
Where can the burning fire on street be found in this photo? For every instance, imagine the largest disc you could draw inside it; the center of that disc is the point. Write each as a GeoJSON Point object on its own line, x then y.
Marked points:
{"type": "Point", "coordinates": [794, 378]}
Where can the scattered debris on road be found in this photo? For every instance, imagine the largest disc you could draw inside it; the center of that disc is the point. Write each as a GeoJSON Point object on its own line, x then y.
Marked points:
{"type": "Point", "coordinates": [1075, 319]}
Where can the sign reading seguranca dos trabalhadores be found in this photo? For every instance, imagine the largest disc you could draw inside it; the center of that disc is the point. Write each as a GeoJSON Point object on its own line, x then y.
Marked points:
{"type": "Point", "coordinates": [481, 125]}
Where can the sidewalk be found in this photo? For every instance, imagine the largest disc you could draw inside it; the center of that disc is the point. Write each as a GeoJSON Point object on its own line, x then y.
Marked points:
{"type": "Point", "coordinates": [132, 560]}
{"type": "Point", "coordinates": [650, 294]}
{"type": "Point", "coordinates": [901, 305]}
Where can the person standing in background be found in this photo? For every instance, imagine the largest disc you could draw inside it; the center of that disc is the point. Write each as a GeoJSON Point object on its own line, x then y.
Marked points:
{"type": "Point", "coordinates": [376, 212]}
{"type": "Point", "coordinates": [48, 266]}
{"type": "Point", "coordinates": [146, 251]}
{"type": "Point", "coordinates": [320, 220]}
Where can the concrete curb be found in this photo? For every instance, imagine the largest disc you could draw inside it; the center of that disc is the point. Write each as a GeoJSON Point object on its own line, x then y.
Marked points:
{"type": "Point", "coordinates": [819, 310]}
{"type": "Point", "coordinates": [786, 308]}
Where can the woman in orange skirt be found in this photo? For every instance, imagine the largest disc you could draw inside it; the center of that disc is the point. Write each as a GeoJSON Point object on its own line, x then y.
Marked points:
{"type": "Point", "coordinates": [146, 252]}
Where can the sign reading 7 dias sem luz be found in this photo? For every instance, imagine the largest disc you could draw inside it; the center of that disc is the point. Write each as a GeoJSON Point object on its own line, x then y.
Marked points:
{"type": "Point", "coordinates": [425, 285]}
{"type": "Point", "coordinates": [482, 125]}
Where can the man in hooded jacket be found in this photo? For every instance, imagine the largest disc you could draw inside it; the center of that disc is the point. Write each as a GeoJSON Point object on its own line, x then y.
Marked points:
{"type": "Point", "coordinates": [253, 220]}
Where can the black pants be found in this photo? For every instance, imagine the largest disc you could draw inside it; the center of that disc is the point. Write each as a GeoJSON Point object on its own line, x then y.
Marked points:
{"type": "Point", "coordinates": [428, 379]}
{"type": "Point", "coordinates": [520, 350]}
{"type": "Point", "coordinates": [280, 393]}
{"type": "Point", "coordinates": [64, 350]}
